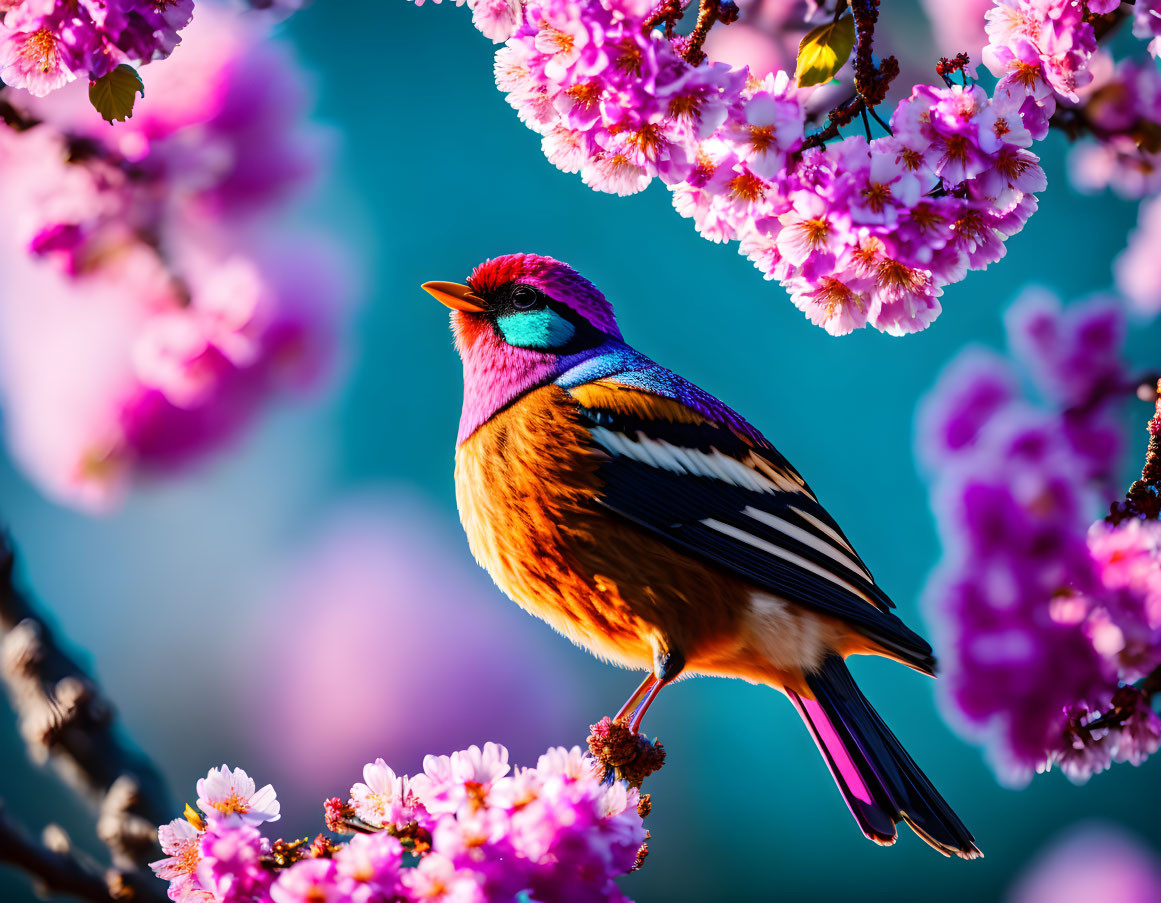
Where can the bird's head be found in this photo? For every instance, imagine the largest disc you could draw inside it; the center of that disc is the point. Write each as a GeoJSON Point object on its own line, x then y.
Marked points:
{"type": "Point", "coordinates": [520, 321]}
{"type": "Point", "coordinates": [530, 302]}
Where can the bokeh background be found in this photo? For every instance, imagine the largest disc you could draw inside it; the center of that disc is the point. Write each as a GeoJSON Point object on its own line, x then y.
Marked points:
{"type": "Point", "coordinates": [305, 601]}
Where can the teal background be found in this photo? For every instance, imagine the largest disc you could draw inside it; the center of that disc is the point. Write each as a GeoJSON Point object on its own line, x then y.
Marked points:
{"type": "Point", "coordinates": [434, 173]}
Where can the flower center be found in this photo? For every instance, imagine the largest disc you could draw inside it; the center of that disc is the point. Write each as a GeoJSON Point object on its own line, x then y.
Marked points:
{"type": "Point", "coordinates": [648, 140]}
{"type": "Point", "coordinates": [814, 231]}
{"type": "Point", "coordinates": [40, 50]}
{"type": "Point", "coordinates": [231, 804]}
{"type": "Point", "coordinates": [877, 195]}
{"type": "Point", "coordinates": [971, 226]}
{"type": "Point", "coordinates": [559, 41]}
{"type": "Point", "coordinates": [585, 94]}
{"type": "Point", "coordinates": [747, 187]}
{"type": "Point", "coordinates": [188, 856]}
{"type": "Point", "coordinates": [685, 107]}
{"type": "Point", "coordinates": [926, 217]}
{"type": "Point", "coordinates": [761, 137]}
{"type": "Point", "coordinates": [912, 159]}
{"type": "Point", "coordinates": [834, 295]}
{"type": "Point", "coordinates": [477, 794]}
{"type": "Point", "coordinates": [1027, 74]}
{"type": "Point", "coordinates": [1010, 165]}
{"type": "Point", "coordinates": [630, 58]}
{"type": "Point", "coordinates": [893, 274]}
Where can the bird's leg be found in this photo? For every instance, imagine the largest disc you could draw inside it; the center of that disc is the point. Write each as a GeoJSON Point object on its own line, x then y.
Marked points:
{"type": "Point", "coordinates": [667, 665]}
{"type": "Point", "coordinates": [631, 704]}
{"type": "Point", "coordinates": [639, 713]}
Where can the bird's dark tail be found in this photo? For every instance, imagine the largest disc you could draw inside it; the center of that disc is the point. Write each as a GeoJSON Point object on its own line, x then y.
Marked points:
{"type": "Point", "coordinates": [879, 781]}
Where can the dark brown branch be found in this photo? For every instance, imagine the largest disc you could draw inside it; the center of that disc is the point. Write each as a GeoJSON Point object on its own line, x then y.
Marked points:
{"type": "Point", "coordinates": [57, 871]}
{"type": "Point", "coordinates": [871, 81]}
{"type": "Point", "coordinates": [1143, 500]}
{"type": "Point", "coordinates": [66, 721]}
{"type": "Point", "coordinates": [709, 13]}
{"type": "Point", "coordinates": [842, 115]}
{"type": "Point", "coordinates": [667, 13]}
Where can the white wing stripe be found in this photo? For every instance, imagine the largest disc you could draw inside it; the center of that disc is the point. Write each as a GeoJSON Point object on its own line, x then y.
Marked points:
{"type": "Point", "coordinates": [778, 476]}
{"type": "Point", "coordinates": [784, 554]}
{"type": "Point", "coordinates": [807, 538]}
{"type": "Point", "coordinates": [825, 528]}
{"type": "Point", "coordinates": [665, 455]}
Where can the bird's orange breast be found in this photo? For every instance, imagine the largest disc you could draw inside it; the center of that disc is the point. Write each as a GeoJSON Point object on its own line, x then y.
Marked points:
{"type": "Point", "coordinates": [527, 482]}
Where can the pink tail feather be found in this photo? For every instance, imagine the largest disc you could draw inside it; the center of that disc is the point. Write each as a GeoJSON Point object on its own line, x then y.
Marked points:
{"type": "Point", "coordinates": [875, 824]}
{"type": "Point", "coordinates": [880, 782]}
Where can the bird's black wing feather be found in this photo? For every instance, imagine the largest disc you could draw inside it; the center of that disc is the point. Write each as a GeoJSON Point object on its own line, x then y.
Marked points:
{"type": "Point", "coordinates": [738, 505]}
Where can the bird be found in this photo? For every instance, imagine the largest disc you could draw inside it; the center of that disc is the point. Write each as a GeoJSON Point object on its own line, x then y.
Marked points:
{"type": "Point", "coordinates": [652, 525]}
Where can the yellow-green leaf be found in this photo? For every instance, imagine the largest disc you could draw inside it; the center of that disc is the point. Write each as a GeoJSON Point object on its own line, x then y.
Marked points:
{"type": "Point", "coordinates": [823, 50]}
{"type": "Point", "coordinates": [113, 94]}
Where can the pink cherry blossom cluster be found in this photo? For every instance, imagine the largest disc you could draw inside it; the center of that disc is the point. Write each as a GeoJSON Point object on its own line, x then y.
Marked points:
{"type": "Point", "coordinates": [1047, 50]}
{"type": "Point", "coordinates": [151, 302]}
{"type": "Point", "coordinates": [480, 831]}
{"type": "Point", "coordinates": [1041, 50]}
{"type": "Point", "coordinates": [45, 44]}
{"type": "Point", "coordinates": [861, 232]}
{"type": "Point", "coordinates": [1044, 621]}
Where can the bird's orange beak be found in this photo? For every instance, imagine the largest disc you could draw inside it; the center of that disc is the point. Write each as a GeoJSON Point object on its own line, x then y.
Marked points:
{"type": "Point", "coordinates": [455, 296]}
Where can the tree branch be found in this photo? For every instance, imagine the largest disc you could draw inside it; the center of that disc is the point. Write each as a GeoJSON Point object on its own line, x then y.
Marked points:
{"type": "Point", "coordinates": [1143, 500]}
{"type": "Point", "coordinates": [57, 869]}
{"type": "Point", "coordinates": [66, 721]}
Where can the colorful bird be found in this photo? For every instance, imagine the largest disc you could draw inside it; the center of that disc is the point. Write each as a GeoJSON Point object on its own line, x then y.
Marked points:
{"type": "Point", "coordinates": [652, 525]}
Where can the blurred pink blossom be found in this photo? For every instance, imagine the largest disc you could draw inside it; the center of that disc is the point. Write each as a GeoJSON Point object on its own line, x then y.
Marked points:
{"type": "Point", "coordinates": [958, 25]}
{"type": "Point", "coordinates": [1138, 268]}
{"type": "Point", "coordinates": [152, 300]}
{"type": "Point", "coordinates": [1089, 863]}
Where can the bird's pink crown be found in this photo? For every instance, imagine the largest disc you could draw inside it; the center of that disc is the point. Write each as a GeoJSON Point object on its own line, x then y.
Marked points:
{"type": "Point", "coordinates": [558, 280]}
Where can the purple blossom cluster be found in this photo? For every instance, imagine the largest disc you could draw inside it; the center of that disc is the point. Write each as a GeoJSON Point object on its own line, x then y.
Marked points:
{"type": "Point", "coordinates": [468, 829]}
{"type": "Point", "coordinates": [151, 302]}
{"type": "Point", "coordinates": [45, 44]}
{"type": "Point", "coordinates": [861, 232]}
{"type": "Point", "coordinates": [1043, 621]}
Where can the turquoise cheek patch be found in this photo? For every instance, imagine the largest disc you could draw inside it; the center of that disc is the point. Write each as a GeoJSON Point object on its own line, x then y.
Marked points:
{"type": "Point", "coordinates": [542, 329]}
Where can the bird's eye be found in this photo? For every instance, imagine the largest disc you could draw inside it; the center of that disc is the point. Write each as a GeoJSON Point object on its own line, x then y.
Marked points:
{"type": "Point", "coordinates": [524, 297]}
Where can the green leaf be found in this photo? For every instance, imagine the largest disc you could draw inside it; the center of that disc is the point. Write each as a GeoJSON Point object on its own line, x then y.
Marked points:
{"type": "Point", "coordinates": [823, 50]}
{"type": "Point", "coordinates": [113, 95]}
